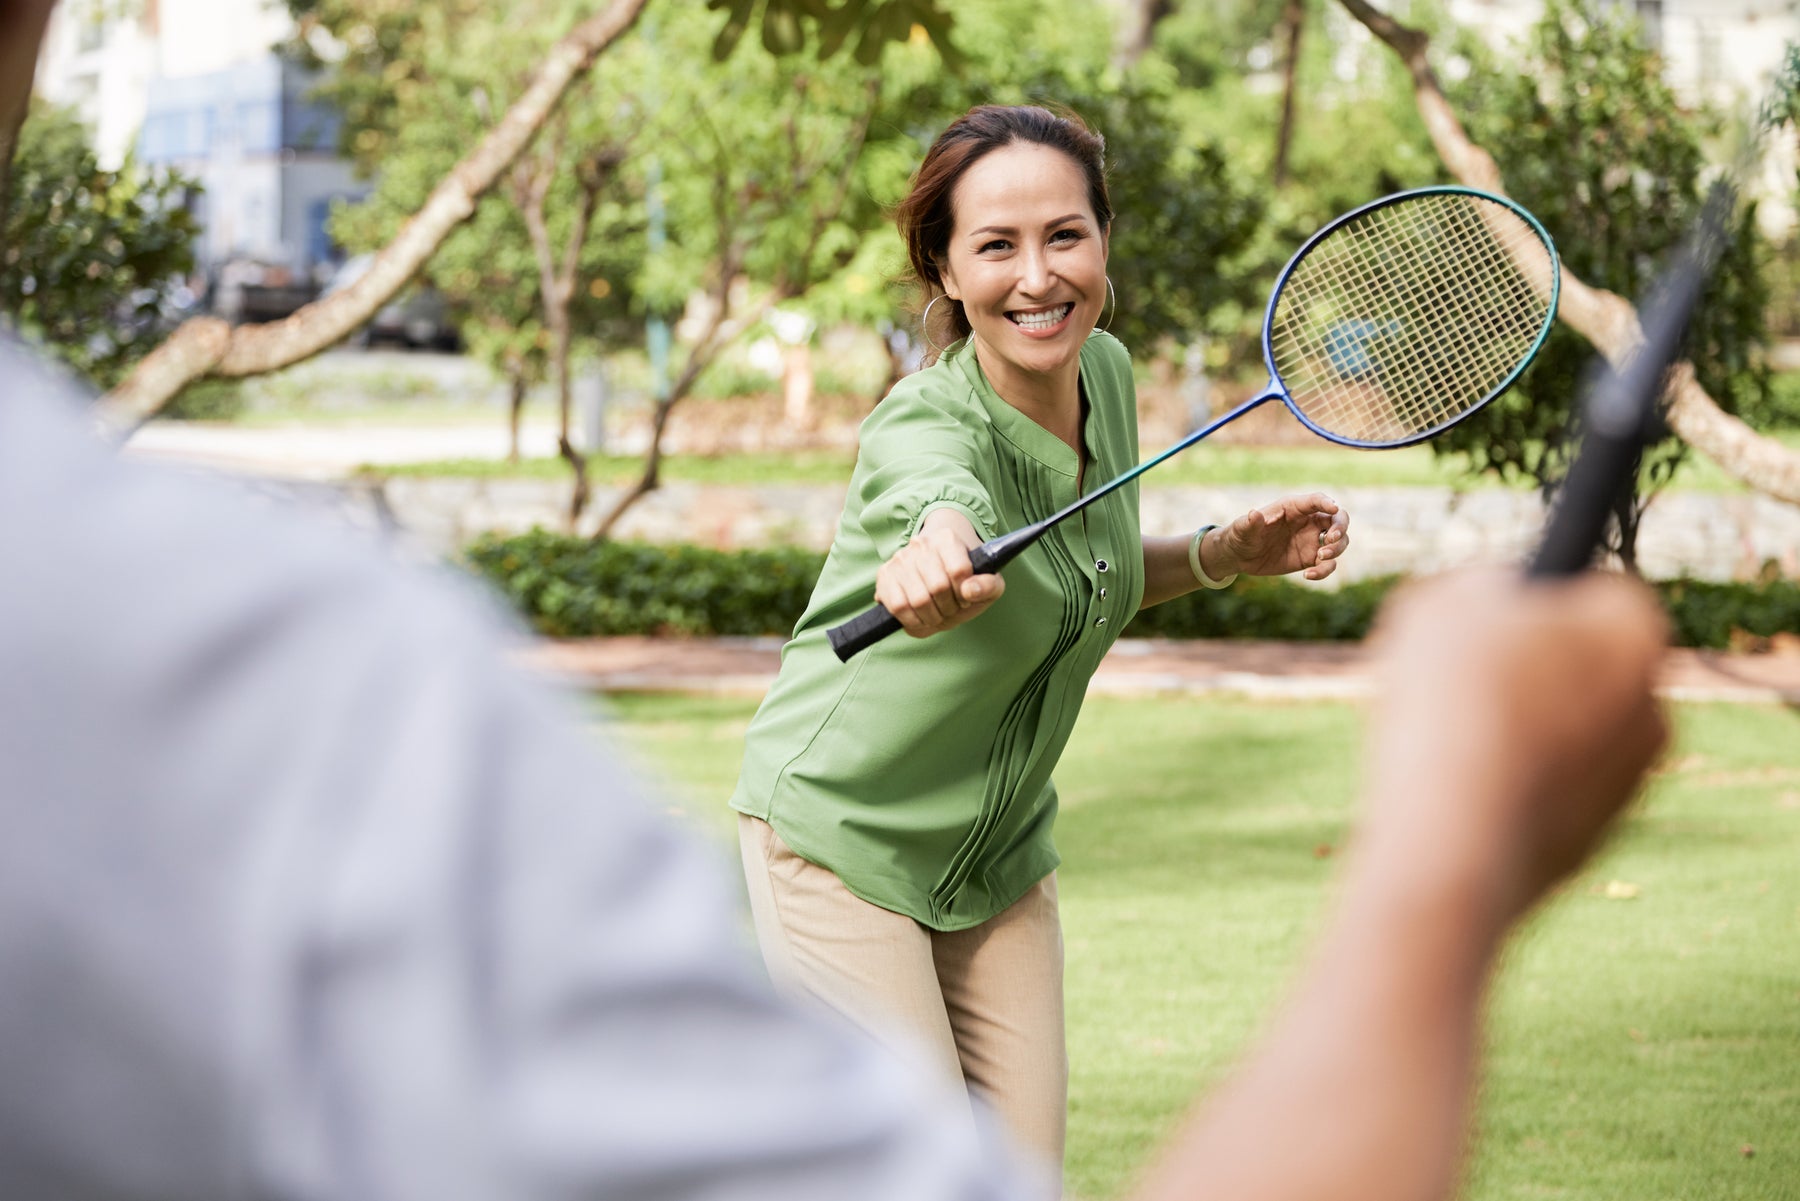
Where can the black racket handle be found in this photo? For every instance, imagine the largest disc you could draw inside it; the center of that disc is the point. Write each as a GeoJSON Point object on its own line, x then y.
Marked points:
{"type": "Point", "coordinates": [875, 623]}
{"type": "Point", "coordinates": [1599, 475]}
{"type": "Point", "coordinates": [1620, 417]}
{"type": "Point", "coordinates": [863, 631]}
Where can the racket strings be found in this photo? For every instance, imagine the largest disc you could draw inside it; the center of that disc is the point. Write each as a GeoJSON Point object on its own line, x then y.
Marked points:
{"type": "Point", "coordinates": [1419, 385]}
{"type": "Point", "coordinates": [1399, 322]}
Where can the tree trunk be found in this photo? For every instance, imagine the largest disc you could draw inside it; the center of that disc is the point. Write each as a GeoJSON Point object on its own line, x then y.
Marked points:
{"type": "Point", "coordinates": [1138, 29]}
{"type": "Point", "coordinates": [797, 385]}
{"type": "Point", "coordinates": [515, 410]}
{"type": "Point", "coordinates": [207, 346]}
{"type": "Point", "coordinates": [556, 283]}
{"type": "Point", "coordinates": [719, 331]}
{"type": "Point", "coordinates": [22, 24]}
{"type": "Point", "coordinates": [1293, 18]}
{"type": "Point", "coordinates": [1606, 320]}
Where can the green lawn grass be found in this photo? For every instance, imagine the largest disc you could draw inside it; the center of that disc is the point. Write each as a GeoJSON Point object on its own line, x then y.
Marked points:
{"type": "Point", "coordinates": [1640, 1042]}
{"type": "Point", "coordinates": [1219, 466]}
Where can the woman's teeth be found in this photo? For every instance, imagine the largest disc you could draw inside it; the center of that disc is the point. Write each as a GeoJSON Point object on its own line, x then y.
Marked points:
{"type": "Point", "coordinates": [1043, 320]}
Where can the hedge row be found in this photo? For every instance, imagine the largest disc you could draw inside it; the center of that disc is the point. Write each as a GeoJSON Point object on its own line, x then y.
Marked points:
{"type": "Point", "coordinates": [568, 587]}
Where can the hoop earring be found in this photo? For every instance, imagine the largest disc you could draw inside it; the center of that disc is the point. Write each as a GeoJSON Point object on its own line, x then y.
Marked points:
{"type": "Point", "coordinates": [925, 324]}
{"type": "Point", "coordinates": [1111, 296]}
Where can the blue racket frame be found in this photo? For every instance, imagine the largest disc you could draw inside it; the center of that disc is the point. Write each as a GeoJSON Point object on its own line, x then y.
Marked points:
{"type": "Point", "coordinates": [1274, 391]}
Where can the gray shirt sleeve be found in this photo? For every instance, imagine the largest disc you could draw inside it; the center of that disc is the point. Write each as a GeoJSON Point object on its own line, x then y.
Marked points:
{"type": "Point", "coordinates": [305, 894]}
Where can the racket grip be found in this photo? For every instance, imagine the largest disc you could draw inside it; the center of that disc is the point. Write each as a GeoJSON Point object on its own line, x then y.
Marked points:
{"type": "Point", "coordinates": [862, 631]}
{"type": "Point", "coordinates": [873, 624]}
{"type": "Point", "coordinates": [1578, 522]}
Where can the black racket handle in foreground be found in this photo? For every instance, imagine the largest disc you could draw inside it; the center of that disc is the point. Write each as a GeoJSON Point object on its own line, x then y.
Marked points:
{"type": "Point", "coordinates": [1620, 417]}
{"type": "Point", "coordinates": [875, 623]}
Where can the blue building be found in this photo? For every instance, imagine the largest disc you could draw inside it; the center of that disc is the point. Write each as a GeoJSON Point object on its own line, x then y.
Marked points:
{"type": "Point", "coordinates": [267, 156]}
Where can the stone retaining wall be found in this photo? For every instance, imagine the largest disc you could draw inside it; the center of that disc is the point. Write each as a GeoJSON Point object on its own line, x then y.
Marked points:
{"type": "Point", "coordinates": [1406, 530]}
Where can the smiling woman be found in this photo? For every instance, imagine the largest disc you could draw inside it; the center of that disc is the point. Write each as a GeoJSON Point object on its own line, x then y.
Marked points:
{"type": "Point", "coordinates": [896, 812]}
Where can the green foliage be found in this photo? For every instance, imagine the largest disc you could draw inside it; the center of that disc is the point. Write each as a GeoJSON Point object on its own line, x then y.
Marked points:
{"type": "Point", "coordinates": [874, 23]}
{"type": "Point", "coordinates": [443, 79]}
{"type": "Point", "coordinates": [1718, 616]}
{"type": "Point", "coordinates": [1356, 136]}
{"type": "Point", "coordinates": [91, 257]}
{"type": "Point", "coordinates": [570, 587]}
{"type": "Point", "coordinates": [751, 164]}
{"type": "Point", "coordinates": [207, 400]}
{"type": "Point", "coordinates": [1184, 212]}
{"type": "Point", "coordinates": [1258, 607]}
{"type": "Point", "coordinates": [1783, 411]}
{"type": "Point", "coordinates": [1596, 144]}
{"type": "Point", "coordinates": [1185, 217]}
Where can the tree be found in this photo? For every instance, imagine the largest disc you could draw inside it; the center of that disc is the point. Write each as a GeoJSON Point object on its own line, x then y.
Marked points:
{"type": "Point", "coordinates": [1605, 319]}
{"type": "Point", "coordinates": [91, 258]}
{"type": "Point", "coordinates": [208, 346]}
{"type": "Point", "coordinates": [523, 274]}
{"type": "Point", "coordinates": [758, 172]}
{"type": "Point", "coordinates": [204, 346]}
{"type": "Point", "coordinates": [1293, 24]}
{"type": "Point", "coordinates": [1604, 154]}
{"type": "Point", "coordinates": [1185, 214]}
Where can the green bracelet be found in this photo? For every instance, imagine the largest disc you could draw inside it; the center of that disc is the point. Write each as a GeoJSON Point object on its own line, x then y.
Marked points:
{"type": "Point", "coordinates": [1206, 581]}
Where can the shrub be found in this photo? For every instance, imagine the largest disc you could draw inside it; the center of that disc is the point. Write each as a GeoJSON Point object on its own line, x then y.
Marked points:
{"type": "Point", "coordinates": [568, 587]}
{"type": "Point", "coordinates": [207, 400]}
{"type": "Point", "coordinates": [1706, 614]}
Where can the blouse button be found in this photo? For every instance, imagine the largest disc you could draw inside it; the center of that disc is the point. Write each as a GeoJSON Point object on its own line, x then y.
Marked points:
{"type": "Point", "coordinates": [1100, 623]}
{"type": "Point", "coordinates": [1102, 594]}
{"type": "Point", "coordinates": [1100, 565]}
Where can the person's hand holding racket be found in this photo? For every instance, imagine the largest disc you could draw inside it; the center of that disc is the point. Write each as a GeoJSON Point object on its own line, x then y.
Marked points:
{"type": "Point", "coordinates": [1307, 534]}
{"type": "Point", "coordinates": [929, 585]}
{"type": "Point", "coordinates": [1511, 715]}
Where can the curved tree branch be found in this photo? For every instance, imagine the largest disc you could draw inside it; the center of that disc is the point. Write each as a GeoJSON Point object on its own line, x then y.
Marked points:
{"type": "Point", "coordinates": [1605, 319]}
{"type": "Point", "coordinates": [206, 346]}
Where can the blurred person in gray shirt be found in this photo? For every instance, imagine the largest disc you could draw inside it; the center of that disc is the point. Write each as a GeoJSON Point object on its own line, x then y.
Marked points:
{"type": "Point", "coordinates": [306, 893]}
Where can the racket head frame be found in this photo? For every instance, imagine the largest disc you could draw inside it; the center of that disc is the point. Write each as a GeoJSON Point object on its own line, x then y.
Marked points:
{"type": "Point", "coordinates": [1276, 388]}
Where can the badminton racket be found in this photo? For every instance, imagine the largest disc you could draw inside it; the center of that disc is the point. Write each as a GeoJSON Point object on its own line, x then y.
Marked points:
{"type": "Point", "coordinates": [1391, 324]}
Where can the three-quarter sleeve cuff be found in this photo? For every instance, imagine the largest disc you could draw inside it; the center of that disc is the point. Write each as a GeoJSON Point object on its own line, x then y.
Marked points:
{"type": "Point", "coordinates": [970, 505]}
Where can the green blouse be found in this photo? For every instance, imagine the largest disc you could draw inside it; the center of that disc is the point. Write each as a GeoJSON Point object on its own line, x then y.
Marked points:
{"type": "Point", "coordinates": [919, 772]}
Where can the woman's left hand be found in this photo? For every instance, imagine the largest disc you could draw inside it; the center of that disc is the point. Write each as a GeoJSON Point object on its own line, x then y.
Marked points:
{"type": "Point", "coordinates": [1296, 533]}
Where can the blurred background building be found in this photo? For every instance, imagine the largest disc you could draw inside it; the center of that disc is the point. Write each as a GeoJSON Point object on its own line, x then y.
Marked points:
{"type": "Point", "coordinates": [196, 85]}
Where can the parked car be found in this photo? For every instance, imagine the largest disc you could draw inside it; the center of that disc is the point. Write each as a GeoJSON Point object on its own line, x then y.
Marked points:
{"type": "Point", "coordinates": [418, 318]}
{"type": "Point", "coordinates": [246, 291]}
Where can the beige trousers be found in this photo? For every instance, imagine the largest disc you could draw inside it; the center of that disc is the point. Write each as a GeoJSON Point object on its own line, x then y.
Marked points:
{"type": "Point", "coordinates": [986, 1003]}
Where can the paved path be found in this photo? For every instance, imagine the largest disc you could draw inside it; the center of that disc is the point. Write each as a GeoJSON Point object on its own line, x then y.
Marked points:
{"type": "Point", "coordinates": [321, 450]}
{"type": "Point", "coordinates": [1136, 667]}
